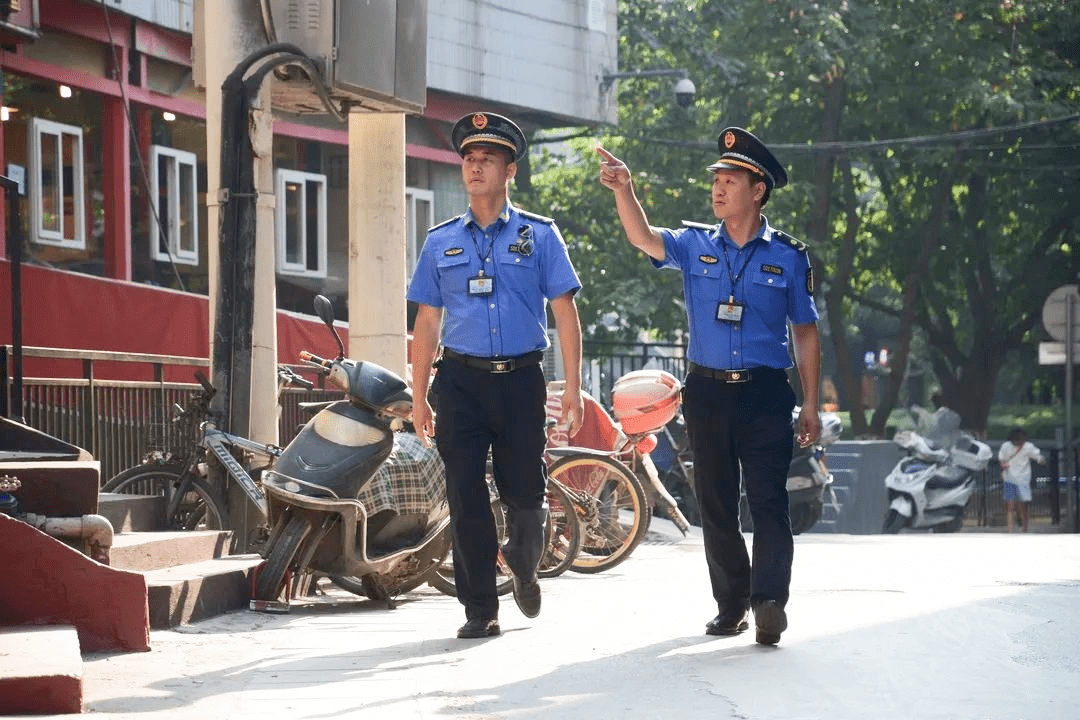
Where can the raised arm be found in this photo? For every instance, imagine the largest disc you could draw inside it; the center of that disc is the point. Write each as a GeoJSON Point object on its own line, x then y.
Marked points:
{"type": "Point", "coordinates": [616, 176]}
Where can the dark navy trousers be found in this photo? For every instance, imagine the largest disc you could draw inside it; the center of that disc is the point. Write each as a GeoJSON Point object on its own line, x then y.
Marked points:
{"type": "Point", "coordinates": [477, 410]}
{"type": "Point", "coordinates": [747, 425]}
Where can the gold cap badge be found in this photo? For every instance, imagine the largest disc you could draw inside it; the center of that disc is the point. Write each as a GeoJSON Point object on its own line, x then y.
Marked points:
{"type": "Point", "coordinates": [729, 140]}
{"type": "Point", "coordinates": [479, 121]}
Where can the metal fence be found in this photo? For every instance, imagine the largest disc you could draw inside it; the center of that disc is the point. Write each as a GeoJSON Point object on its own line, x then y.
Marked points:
{"type": "Point", "coordinates": [119, 421]}
{"type": "Point", "coordinates": [606, 362]}
{"type": "Point", "coordinates": [1049, 500]}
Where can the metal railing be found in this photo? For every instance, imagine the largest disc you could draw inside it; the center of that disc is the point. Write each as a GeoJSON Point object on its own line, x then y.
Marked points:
{"type": "Point", "coordinates": [120, 421]}
{"type": "Point", "coordinates": [605, 362]}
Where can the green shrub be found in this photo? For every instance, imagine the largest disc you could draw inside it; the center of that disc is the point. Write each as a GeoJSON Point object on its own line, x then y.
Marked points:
{"type": "Point", "coordinates": [1040, 422]}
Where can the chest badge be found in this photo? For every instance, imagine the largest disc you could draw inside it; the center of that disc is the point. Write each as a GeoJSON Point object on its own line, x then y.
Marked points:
{"type": "Point", "coordinates": [772, 269]}
{"type": "Point", "coordinates": [454, 251]}
{"type": "Point", "coordinates": [708, 259]}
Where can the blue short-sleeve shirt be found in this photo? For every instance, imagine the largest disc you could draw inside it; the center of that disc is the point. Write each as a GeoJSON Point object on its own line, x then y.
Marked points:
{"type": "Point", "coordinates": [528, 259]}
{"type": "Point", "coordinates": [770, 277]}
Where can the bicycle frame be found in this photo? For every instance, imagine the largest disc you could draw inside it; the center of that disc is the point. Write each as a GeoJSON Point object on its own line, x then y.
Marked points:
{"type": "Point", "coordinates": [218, 442]}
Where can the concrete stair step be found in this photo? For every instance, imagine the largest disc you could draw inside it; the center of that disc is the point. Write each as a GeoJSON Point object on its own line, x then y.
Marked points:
{"type": "Point", "coordinates": [40, 670]}
{"type": "Point", "coordinates": [195, 591]}
{"type": "Point", "coordinates": [144, 551]}
{"type": "Point", "coordinates": [129, 513]}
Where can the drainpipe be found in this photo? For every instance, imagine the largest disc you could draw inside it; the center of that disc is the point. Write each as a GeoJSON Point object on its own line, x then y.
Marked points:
{"type": "Point", "coordinates": [96, 530]}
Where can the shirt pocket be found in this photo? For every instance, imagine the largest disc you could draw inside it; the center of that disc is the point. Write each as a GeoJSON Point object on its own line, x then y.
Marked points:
{"type": "Point", "coordinates": [454, 270]}
{"type": "Point", "coordinates": [769, 292]}
{"type": "Point", "coordinates": [705, 282]}
{"type": "Point", "coordinates": [519, 271]}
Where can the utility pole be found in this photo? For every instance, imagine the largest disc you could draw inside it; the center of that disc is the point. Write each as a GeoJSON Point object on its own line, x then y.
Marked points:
{"type": "Point", "coordinates": [377, 306]}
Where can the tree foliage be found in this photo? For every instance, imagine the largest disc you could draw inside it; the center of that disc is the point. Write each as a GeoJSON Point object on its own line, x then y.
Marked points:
{"type": "Point", "coordinates": [934, 153]}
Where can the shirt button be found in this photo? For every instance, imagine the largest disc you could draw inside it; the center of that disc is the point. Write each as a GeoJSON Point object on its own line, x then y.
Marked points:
{"type": "Point", "coordinates": [487, 259]}
{"type": "Point", "coordinates": [494, 331]}
{"type": "Point", "coordinates": [517, 260]}
{"type": "Point", "coordinates": [492, 306]}
{"type": "Point", "coordinates": [770, 281]}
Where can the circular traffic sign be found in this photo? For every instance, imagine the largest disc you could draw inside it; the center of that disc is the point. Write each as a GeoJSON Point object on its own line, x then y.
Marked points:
{"type": "Point", "coordinates": [1053, 312]}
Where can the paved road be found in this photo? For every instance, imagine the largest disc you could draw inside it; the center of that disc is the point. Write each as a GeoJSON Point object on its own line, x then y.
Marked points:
{"type": "Point", "coordinates": [980, 626]}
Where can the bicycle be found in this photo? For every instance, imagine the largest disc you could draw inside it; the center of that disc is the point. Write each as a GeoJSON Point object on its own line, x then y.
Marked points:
{"type": "Point", "coordinates": [609, 501]}
{"type": "Point", "coordinates": [190, 500]}
{"type": "Point", "coordinates": [564, 539]}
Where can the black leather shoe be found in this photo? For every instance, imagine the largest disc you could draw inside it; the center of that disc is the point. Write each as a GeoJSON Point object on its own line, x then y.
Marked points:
{"type": "Point", "coordinates": [727, 623]}
{"type": "Point", "coordinates": [479, 628]}
{"type": "Point", "coordinates": [527, 596]}
{"type": "Point", "coordinates": [771, 620]}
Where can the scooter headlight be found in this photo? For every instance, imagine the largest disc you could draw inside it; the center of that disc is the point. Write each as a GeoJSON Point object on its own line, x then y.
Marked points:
{"type": "Point", "coordinates": [346, 431]}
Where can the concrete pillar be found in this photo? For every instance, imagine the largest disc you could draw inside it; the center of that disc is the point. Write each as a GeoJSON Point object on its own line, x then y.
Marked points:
{"type": "Point", "coordinates": [377, 312]}
{"type": "Point", "coordinates": [231, 31]}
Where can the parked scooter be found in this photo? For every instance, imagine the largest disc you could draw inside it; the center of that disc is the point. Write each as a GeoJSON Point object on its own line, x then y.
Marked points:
{"type": "Point", "coordinates": [317, 523]}
{"type": "Point", "coordinates": [809, 480]}
{"type": "Point", "coordinates": [930, 487]}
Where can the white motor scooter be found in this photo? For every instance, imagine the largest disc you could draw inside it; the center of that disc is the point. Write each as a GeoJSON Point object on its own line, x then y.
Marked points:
{"type": "Point", "coordinates": [930, 487]}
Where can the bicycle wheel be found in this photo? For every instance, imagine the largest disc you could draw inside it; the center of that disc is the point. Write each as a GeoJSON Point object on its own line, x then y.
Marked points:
{"type": "Point", "coordinates": [611, 506]}
{"type": "Point", "coordinates": [443, 577]}
{"type": "Point", "coordinates": [270, 575]}
{"type": "Point", "coordinates": [563, 531]}
{"type": "Point", "coordinates": [200, 508]}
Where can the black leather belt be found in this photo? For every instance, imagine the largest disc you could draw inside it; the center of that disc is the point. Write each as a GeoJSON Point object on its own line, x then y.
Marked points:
{"type": "Point", "coordinates": [728, 376]}
{"type": "Point", "coordinates": [495, 364]}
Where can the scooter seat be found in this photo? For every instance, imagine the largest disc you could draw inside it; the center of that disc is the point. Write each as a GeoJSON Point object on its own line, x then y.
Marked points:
{"type": "Point", "coordinates": [947, 477]}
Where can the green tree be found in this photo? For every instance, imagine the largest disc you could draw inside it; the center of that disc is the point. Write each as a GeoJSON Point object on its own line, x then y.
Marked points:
{"type": "Point", "coordinates": [930, 174]}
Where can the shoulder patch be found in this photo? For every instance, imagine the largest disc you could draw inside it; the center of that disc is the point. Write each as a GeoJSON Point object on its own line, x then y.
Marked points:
{"type": "Point", "coordinates": [797, 244]}
{"type": "Point", "coordinates": [445, 222]}
{"type": "Point", "coordinates": [699, 226]}
{"type": "Point", "coordinates": [534, 216]}
{"type": "Point", "coordinates": [453, 251]}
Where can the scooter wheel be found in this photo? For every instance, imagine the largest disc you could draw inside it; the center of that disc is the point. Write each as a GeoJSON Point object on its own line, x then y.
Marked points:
{"type": "Point", "coordinates": [270, 577]}
{"type": "Point", "coordinates": [894, 522]}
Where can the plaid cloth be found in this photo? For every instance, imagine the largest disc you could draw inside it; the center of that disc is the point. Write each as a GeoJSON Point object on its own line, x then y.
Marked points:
{"type": "Point", "coordinates": [412, 480]}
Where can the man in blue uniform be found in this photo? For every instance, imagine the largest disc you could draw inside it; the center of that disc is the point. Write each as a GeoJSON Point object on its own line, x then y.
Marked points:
{"type": "Point", "coordinates": [484, 280]}
{"type": "Point", "coordinates": [743, 281]}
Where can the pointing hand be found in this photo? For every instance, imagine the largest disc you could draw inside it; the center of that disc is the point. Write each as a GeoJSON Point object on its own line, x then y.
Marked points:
{"type": "Point", "coordinates": [613, 172]}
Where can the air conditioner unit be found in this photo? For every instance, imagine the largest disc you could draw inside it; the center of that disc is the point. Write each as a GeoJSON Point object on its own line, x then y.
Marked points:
{"type": "Point", "coordinates": [371, 54]}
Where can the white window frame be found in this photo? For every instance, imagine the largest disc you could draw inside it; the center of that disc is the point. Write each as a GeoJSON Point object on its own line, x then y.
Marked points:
{"type": "Point", "coordinates": [41, 234]}
{"type": "Point", "coordinates": [175, 253]}
{"type": "Point", "coordinates": [416, 226]}
{"type": "Point", "coordinates": [283, 178]}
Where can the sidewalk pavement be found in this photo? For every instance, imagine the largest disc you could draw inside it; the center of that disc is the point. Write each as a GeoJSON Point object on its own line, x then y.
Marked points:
{"type": "Point", "coordinates": [970, 625]}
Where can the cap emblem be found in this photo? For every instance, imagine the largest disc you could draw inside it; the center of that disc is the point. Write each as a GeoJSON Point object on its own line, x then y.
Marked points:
{"type": "Point", "coordinates": [729, 140]}
{"type": "Point", "coordinates": [479, 121]}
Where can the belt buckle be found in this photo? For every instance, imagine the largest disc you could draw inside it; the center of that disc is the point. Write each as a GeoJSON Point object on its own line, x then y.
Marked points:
{"type": "Point", "coordinates": [737, 376]}
{"type": "Point", "coordinates": [502, 366]}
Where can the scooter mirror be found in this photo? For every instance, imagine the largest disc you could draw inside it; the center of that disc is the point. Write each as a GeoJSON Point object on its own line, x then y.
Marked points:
{"type": "Point", "coordinates": [325, 311]}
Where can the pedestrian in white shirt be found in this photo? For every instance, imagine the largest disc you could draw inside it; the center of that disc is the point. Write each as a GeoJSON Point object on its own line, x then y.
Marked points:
{"type": "Point", "coordinates": [1015, 457]}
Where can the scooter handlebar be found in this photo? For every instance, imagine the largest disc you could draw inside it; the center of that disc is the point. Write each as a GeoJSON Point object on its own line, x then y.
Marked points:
{"type": "Point", "coordinates": [316, 360]}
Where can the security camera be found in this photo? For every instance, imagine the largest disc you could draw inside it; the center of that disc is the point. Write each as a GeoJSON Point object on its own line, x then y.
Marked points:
{"type": "Point", "coordinates": [684, 92]}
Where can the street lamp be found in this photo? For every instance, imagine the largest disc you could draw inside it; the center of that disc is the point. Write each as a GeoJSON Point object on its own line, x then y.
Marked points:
{"type": "Point", "coordinates": [684, 88]}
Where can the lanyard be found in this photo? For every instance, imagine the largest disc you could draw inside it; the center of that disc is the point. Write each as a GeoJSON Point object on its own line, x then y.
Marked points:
{"type": "Point", "coordinates": [486, 255]}
{"type": "Point", "coordinates": [733, 276]}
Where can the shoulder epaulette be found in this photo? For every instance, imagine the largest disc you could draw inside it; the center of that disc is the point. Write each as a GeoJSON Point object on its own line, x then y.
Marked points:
{"type": "Point", "coordinates": [797, 244]}
{"type": "Point", "coordinates": [534, 216]}
{"type": "Point", "coordinates": [445, 222]}
{"type": "Point", "coordinates": [699, 226]}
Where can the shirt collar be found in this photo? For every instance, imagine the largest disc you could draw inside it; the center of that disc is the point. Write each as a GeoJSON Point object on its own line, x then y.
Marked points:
{"type": "Point", "coordinates": [764, 233]}
{"type": "Point", "coordinates": [504, 216]}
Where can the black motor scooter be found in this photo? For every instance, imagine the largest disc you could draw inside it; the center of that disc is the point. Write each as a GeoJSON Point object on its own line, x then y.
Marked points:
{"type": "Point", "coordinates": [317, 523]}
